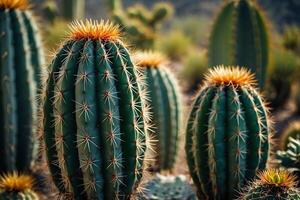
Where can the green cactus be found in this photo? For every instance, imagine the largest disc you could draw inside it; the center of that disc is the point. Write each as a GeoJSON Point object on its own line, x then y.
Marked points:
{"type": "Point", "coordinates": [282, 74]}
{"type": "Point", "coordinates": [293, 131]}
{"type": "Point", "coordinates": [95, 117]}
{"type": "Point", "coordinates": [73, 9]}
{"type": "Point", "coordinates": [17, 187]}
{"type": "Point", "coordinates": [272, 185]}
{"type": "Point", "coordinates": [239, 37]}
{"type": "Point", "coordinates": [227, 136]}
{"type": "Point", "coordinates": [167, 188]}
{"type": "Point", "coordinates": [290, 158]}
{"type": "Point", "coordinates": [20, 67]}
{"type": "Point", "coordinates": [164, 98]}
{"type": "Point", "coordinates": [139, 24]}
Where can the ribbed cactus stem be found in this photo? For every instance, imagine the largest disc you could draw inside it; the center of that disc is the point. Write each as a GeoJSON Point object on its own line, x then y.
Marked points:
{"type": "Point", "coordinates": [227, 138]}
{"type": "Point", "coordinates": [20, 68]}
{"type": "Point", "coordinates": [95, 117]}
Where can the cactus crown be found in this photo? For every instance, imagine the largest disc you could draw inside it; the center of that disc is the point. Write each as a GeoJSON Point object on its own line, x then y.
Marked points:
{"type": "Point", "coordinates": [95, 30]}
{"type": "Point", "coordinates": [150, 59]}
{"type": "Point", "coordinates": [277, 178]}
{"type": "Point", "coordinates": [15, 182]}
{"type": "Point", "coordinates": [236, 76]}
{"type": "Point", "coordinates": [14, 4]}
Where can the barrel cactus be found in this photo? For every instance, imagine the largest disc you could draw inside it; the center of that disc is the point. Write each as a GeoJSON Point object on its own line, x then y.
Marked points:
{"type": "Point", "coordinates": [164, 100]}
{"type": "Point", "coordinates": [14, 186]}
{"type": "Point", "coordinates": [272, 184]}
{"type": "Point", "coordinates": [167, 188]}
{"type": "Point", "coordinates": [227, 136]}
{"type": "Point", "coordinates": [239, 37]}
{"type": "Point", "coordinates": [95, 117]}
{"type": "Point", "coordinates": [20, 66]}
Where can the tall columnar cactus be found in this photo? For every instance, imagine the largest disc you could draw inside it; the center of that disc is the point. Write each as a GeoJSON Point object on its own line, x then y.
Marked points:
{"type": "Point", "coordinates": [73, 9]}
{"type": "Point", "coordinates": [272, 184]}
{"type": "Point", "coordinates": [95, 115]}
{"type": "Point", "coordinates": [20, 67]}
{"type": "Point", "coordinates": [239, 37]}
{"type": "Point", "coordinates": [227, 136]}
{"type": "Point", "coordinates": [139, 24]}
{"type": "Point", "coordinates": [164, 99]}
{"type": "Point", "coordinates": [15, 186]}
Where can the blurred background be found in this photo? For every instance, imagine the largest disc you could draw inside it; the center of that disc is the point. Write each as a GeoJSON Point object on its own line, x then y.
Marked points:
{"type": "Point", "coordinates": [180, 29]}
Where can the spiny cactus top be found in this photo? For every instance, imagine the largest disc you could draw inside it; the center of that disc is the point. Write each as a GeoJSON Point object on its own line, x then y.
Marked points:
{"type": "Point", "coordinates": [20, 65]}
{"type": "Point", "coordinates": [239, 37]}
{"type": "Point", "coordinates": [168, 188]}
{"type": "Point", "coordinates": [95, 115]}
{"type": "Point", "coordinates": [14, 186]}
{"type": "Point", "coordinates": [272, 184]}
{"type": "Point", "coordinates": [227, 136]}
{"type": "Point", "coordinates": [164, 99]}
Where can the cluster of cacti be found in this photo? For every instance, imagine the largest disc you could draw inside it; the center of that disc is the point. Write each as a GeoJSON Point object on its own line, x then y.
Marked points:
{"type": "Point", "coordinates": [16, 186]}
{"type": "Point", "coordinates": [282, 73]}
{"type": "Point", "coordinates": [239, 37]}
{"type": "Point", "coordinates": [167, 188]}
{"type": "Point", "coordinates": [20, 67]}
{"type": "Point", "coordinates": [139, 24]}
{"type": "Point", "coordinates": [95, 117]}
{"type": "Point", "coordinates": [227, 135]}
{"type": "Point", "coordinates": [272, 184]}
{"type": "Point", "coordinates": [73, 9]}
{"type": "Point", "coordinates": [165, 103]}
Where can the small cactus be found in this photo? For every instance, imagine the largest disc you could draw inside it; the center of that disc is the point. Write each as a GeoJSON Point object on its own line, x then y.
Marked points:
{"type": "Point", "coordinates": [227, 136]}
{"type": "Point", "coordinates": [165, 106]}
{"type": "Point", "coordinates": [167, 188]}
{"type": "Point", "coordinates": [272, 184]}
{"type": "Point", "coordinates": [16, 186]}
{"type": "Point", "coordinates": [239, 37]}
{"type": "Point", "coordinates": [95, 117]}
{"type": "Point", "coordinates": [20, 67]}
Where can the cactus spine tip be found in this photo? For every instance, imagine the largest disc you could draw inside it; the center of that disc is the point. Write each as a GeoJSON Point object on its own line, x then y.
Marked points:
{"type": "Point", "coordinates": [14, 4]}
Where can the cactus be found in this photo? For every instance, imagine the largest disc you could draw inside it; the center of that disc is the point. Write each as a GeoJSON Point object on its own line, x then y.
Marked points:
{"type": "Point", "coordinates": [293, 131]}
{"type": "Point", "coordinates": [272, 184]}
{"type": "Point", "coordinates": [16, 186]}
{"type": "Point", "coordinates": [20, 66]}
{"type": "Point", "coordinates": [139, 24]}
{"type": "Point", "coordinates": [95, 117]}
{"type": "Point", "coordinates": [165, 104]}
{"type": "Point", "coordinates": [167, 188]}
{"type": "Point", "coordinates": [239, 37]}
{"type": "Point", "coordinates": [227, 136]}
{"type": "Point", "coordinates": [282, 74]}
{"type": "Point", "coordinates": [290, 158]}
{"type": "Point", "coordinates": [73, 9]}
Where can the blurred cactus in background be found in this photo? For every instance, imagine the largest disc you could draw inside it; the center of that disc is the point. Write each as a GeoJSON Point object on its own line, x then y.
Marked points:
{"type": "Point", "coordinates": [272, 184]}
{"type": "Point", "coordinates": [72, 9]}
{"type": "Point", "coordinates": [227, 135]}
{"type": "Point", "coordinates": [293, 131]}
{"type": "Point", "coordinates": [165, 106]}
{"type": "Point", "coordinates": [291, 39]}
{"type": "Point", "coordinates": [139, 24]}
{"type": "Point", "coordinates": [167, 188]}
{"type": "Point", "coordinates": [282, 74]}
{"type": "Point", "coordinates": [21, 62]}
{"type": "Point", "coordinates": [95, 117]}
{"type": "Point", "coordinates": [14, 186]}
{"type": "Point", "coordinates": [239, 37]}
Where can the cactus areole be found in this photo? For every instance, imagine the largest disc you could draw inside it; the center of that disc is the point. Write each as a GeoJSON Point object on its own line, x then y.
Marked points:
{"type": "Point", "coordinates": [20, 65]}
{"type": "Point", "coordinates": [95, 117]}
{"type": "Point", "coordinates": [164, 101]}
{"type": "Point", "coordinates": [239, 37]}
{"type": "Point", "coordinates": [227, 136]}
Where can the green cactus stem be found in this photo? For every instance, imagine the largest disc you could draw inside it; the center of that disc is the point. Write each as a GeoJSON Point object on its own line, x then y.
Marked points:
{"type": "Point", "coordinates": [272, 184]}
{"type": "Point", "coordinates": [95, 115]}
{"type": "Point", "coordinates": [165, 106]}
{"type": "Point", "coordinates": [14, 186]}
{"type": "Point", "coordinates": [20, 67]}
{"type": "Point", "coordinates": [239, 37]}
{"type": "Point", "coordinates": [227, 136]}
